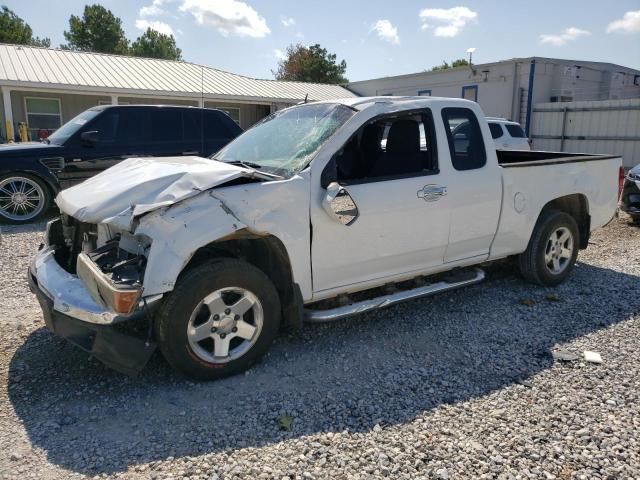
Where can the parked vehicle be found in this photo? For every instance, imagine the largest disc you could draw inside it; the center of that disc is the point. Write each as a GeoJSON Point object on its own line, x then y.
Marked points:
{"type": "Point", "coordinates": [32, 173]}
{"type": "Point", "coordinates": [630, 197]}
{"type": "Point", "coordinates": [305, 216]}
{"type": "Point", "coordinates": [508, 135]}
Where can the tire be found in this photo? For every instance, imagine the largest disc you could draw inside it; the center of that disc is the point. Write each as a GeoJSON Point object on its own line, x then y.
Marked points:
{"type": "Point", "coordinates": [192, 333]}
{"type": "Point", "coordinates": [24, 198]}
{"type": "Point", "coordinates": [552, 250]}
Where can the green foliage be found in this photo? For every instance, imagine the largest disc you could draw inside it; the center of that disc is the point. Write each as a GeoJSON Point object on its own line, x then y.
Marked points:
{"type": "Point", "coordinates": [310, 64]}
{"type": "Point", "coordinates": [153, 44]}
{"type": "Point", "coordinates": [461, 62]}
{"type": "Point", "coordinates": [14, 30]}
{"type": "Point", "coordinates": [98, 30]}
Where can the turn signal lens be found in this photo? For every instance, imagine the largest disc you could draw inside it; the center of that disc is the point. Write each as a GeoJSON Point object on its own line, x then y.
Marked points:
{"type": "Point", "coordinates": [124, 301]}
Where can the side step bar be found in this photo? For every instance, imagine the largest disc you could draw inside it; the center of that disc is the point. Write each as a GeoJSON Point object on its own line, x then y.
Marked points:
{"type": "Point", "coordinates": [322, 316]}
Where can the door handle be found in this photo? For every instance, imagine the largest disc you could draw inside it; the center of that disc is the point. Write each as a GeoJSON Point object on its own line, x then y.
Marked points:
{"type": "Point", "coordinates": [432, 193]}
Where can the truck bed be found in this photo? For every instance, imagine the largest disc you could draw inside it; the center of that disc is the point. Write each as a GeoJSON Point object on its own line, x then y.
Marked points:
{"type": "Point", "coordinates": [526, 158]}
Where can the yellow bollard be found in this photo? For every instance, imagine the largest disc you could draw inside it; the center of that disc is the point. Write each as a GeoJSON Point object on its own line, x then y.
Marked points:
{"type": "Point", "coordinates": [9, 130]}
{"type": "Point", "coordinates": [23, 132]}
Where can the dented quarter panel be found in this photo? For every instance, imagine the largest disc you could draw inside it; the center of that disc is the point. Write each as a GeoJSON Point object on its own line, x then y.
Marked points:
{"type": "Point", "coordinates": [277, 208]}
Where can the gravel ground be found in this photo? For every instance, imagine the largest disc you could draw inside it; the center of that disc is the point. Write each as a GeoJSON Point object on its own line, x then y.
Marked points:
{"type": "Point", "coordinates": [462, 385]}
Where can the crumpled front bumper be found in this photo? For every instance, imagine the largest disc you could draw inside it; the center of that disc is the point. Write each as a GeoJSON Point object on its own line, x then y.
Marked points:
{"type": "Point", "coordinates": [71, 313]}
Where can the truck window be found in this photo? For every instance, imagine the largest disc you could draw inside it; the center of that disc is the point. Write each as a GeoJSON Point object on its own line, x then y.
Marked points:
{"type": "Point", "coordinates": [464, 136]}
{"type": "Point", "coordinates": [389, 148]}
{"type": "Point", "coordinates": [496, 130]}
{"type": "Point", "coordinates": [515, 131]}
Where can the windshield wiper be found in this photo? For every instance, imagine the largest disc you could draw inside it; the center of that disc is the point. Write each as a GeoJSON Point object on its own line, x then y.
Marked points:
{"type": "Point", "coordinates": [255, 167]}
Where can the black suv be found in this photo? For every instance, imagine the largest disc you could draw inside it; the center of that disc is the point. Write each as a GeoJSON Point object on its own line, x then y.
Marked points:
{"type": "Point", "coordinates": [31, 174]}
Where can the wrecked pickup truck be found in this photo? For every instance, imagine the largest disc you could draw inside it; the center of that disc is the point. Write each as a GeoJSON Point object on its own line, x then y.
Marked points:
{"type": "Point", "coordinates": [320, 211]}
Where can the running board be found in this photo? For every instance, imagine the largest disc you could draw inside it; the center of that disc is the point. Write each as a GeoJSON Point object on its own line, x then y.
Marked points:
{"type": "Point", "coordinates": [322, 316]}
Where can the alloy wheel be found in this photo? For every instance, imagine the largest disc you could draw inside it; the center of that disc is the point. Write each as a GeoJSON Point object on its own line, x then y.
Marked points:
{"type": "Point", "coordinates": [225, 325]}
{"type": "Point", "coordinates": [21, 198]}
{"type": "Point", "coordinates": [559, 250]}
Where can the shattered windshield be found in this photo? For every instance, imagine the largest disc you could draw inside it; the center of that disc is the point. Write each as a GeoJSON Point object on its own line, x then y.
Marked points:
{"type": "Point", "coordinates": [286, 141]}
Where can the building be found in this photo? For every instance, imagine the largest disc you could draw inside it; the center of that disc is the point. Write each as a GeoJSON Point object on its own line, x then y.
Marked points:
{"type": "Point", "coordinates": [46, 87]}
{"type": "Point", "coordinates": [510, 88]}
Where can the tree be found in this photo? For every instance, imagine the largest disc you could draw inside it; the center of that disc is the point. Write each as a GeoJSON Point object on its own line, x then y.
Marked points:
{"type": "Point", "coordinates": [153, 44]}
{"type": "Point", "coordinates": [14, 30]}
{"type": "Point", "coordinates": [310, 64]}
{"type": "Point", "coordinates": [98, 30]}
{"type": "Point", "coordinates": [461, 62]}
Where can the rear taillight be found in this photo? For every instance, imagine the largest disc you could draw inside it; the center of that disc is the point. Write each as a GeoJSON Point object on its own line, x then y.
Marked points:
{"type": "Point", "coordinates": [620, 181]}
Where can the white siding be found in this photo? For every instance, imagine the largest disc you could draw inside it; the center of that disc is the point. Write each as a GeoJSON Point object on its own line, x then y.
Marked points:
{"type": "Point", "coordinates": [607, 126]}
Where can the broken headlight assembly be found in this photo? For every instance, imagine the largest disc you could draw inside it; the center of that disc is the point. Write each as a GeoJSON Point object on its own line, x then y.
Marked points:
{"type": "Point", "coordinates": [114, 272]}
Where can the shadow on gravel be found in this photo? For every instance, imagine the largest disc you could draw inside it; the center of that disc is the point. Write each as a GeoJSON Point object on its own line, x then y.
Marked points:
{"type": "Point", "coordinates": [383, 368]}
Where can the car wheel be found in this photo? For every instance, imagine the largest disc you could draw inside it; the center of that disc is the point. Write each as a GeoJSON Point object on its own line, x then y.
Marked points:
{"type": "Point", "coordinates": [552, 250]}
{"type": "Point", "coordinates": [23, 198]}
{"type": "Point", "coordinates": [221, 317]}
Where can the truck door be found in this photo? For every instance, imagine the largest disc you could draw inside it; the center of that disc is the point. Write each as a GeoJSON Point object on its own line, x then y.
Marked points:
{"type": "Point", "coordinates": [392, 214]}
{"type": "Point", "coordinates": [116, 134]}
{"type": "Point", "coordinates": [475, 189]}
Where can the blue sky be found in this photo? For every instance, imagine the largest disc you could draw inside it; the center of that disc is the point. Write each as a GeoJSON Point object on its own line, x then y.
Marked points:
{"type": "Point", "coordinates": [375, 37]}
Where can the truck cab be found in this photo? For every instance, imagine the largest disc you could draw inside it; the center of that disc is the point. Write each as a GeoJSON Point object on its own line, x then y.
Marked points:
{"type": "Point", "coordinates": [318, 212]}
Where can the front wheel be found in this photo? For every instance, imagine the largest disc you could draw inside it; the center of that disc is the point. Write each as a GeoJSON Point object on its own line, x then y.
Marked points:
{"type": "Point", "coordinates": [23, 198]}
{"type": "Point", "coordinates": [221, 318]}
{"type": "Point", "coordinates": [552, 250]}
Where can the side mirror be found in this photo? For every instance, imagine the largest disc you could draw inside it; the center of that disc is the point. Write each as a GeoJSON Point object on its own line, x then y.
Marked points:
{"type": "Point", "coordinates": [339, 205]}
{"type": "Point", "coordinates": [89, 138]}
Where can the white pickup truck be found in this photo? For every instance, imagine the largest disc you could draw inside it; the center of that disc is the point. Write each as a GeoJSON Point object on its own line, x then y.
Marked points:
{"type": "Point", "coordinates": [320, 211]}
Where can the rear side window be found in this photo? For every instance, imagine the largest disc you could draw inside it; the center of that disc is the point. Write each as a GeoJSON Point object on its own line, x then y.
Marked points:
{"type": "Point", "coordinates": [465, 138]}
{"type": "Point", "coordinates": [192, 124]}
{"type": "Point", "coordinates": [515, 131]}
{"type": "Point", "coordinates": [217, 126]}
{"type": "Point", "coordinates": [166, 125]}
{"type": "Point", "coordinates": [496, 130]}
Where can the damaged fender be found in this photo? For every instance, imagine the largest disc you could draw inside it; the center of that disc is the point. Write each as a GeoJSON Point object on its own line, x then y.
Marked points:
{"type": "Point", "coordinates": [270, 208]}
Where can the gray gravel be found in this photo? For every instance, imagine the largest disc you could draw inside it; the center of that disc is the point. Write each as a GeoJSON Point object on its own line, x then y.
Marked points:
{"type": "Point", "coordinates": [463, 385]}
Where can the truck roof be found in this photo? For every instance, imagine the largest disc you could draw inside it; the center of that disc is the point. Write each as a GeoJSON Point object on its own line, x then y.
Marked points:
{"type": "Point", "coordinates": [361, 103]}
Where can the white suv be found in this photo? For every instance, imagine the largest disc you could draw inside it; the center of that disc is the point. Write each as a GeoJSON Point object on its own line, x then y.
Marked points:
{"type": "Point", "coordinates": [508, 135]}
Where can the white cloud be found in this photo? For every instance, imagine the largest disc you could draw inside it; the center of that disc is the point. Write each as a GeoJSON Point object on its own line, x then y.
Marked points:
{"type": "Point", "coordinates": [288, 21]}
{"type": "Point", "coordinates": [567, 35]}
{"type": "Point", "coordinates": [161, 27]}
{"type": "Point", "coordinates": [629, 23]}
{"type": "Point", "coordinates": [386, 31]}
{"type": "Point", "coordinates": [279, 54]}
{"type": "Point", "coordinates": [228, 17]}
{"type": "Point", "coordinates": [154, 9]}
{"type": "Point", "coordinates": [448, 22]}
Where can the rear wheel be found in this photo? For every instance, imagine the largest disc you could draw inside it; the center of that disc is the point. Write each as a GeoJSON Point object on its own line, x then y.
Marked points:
{"type": "Point", "coordinates": [552, 250]}
{"type": "Point", "coordinates": [23, 198]}
{"type": "Point", "coordinates": [221, 317]}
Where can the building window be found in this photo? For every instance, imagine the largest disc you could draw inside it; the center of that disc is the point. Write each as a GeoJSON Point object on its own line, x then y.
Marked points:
{"type": "Point", "coordinates": [234, 113]}
{"type": "Point", "coordinates": [470, 93]}
{"type": "Point", "coordinates": [43, 116]}
{"type": "Point", "coordinates": [424, 93]}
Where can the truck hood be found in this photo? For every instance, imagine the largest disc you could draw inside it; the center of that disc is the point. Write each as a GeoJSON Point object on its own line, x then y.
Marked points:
{"type": "Point", "coordinates": [139, 185]}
